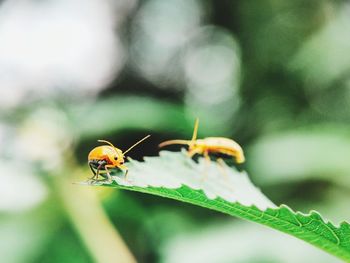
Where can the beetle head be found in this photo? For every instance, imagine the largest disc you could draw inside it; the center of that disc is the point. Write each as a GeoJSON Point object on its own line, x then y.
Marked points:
{"type": "Point", "coordinates": [117, 155]}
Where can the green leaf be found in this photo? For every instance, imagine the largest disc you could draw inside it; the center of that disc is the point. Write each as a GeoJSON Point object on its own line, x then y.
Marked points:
{"type": "Point", "coordinates": [216, 186]}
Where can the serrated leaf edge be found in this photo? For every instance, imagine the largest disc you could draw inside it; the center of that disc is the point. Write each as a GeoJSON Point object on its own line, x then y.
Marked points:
{"type": "Point", "coordinates": [176, 195]}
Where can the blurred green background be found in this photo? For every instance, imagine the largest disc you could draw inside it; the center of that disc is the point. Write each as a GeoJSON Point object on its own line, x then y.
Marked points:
{"type": "Point", "coordinates": [273, 75]}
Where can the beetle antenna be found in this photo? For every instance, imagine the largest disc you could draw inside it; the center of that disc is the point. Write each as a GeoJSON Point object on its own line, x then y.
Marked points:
{"type": "Point", "coordinates": [109, 143]}
{"type": "Point", "coordinates": [195, 131]}
{"type": "Point", "coordinates": [106, 142]}
{"type": "Point", "coordinates": [137, 143]}
{"type": "Point", "coordinates": [166, 143]}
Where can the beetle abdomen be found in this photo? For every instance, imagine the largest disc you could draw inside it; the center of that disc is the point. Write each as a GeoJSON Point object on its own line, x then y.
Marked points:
{"type": "Point", "coordinates": [98, 163]}
{"type": "Point", "coordinates": [101, 153]}
{"type": "Point", "coordinates": [224, 146]}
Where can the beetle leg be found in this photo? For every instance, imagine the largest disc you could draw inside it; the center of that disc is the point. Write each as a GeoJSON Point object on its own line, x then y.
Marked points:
{"type": "Point", "coordinates": [222, 165]}
{"type": "Point", "coordinates": [193, 152]}
{"type": "Point", "coordinates": [206, 156]}
{"type": "Point", "coordinates": [96, 173]}
{"type": "Point", "coordinates": [207, 165]}
{"type": "Point", "coordinates": [126, 171]}
{"type": "Point", "coordinates": [107, 172]}
{"type": "Point", "coordinates": [98, 169]}
{"type": "Point", "coordinates": [93, 171]}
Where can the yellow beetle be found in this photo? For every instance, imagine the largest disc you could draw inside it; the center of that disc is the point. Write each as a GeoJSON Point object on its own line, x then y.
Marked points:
{"type": "Point", "coordinates": [103, 157]}
{"type": "Point", "coordinates": [210, 145]}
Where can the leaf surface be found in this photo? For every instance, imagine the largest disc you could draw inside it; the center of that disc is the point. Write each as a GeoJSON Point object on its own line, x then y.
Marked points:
{"type": "Point", "coordinates": [218, 187]}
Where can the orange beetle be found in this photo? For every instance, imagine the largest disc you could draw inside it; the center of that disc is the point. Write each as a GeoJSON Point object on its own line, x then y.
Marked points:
{"type": "Point", "coordinates": [210, 145]}
{"type": "Point", "coordinates": [108, 156]}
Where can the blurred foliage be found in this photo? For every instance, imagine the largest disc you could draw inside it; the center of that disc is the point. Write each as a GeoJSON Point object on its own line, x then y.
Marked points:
{"type": "Point", "coordinates": [273, 75]}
